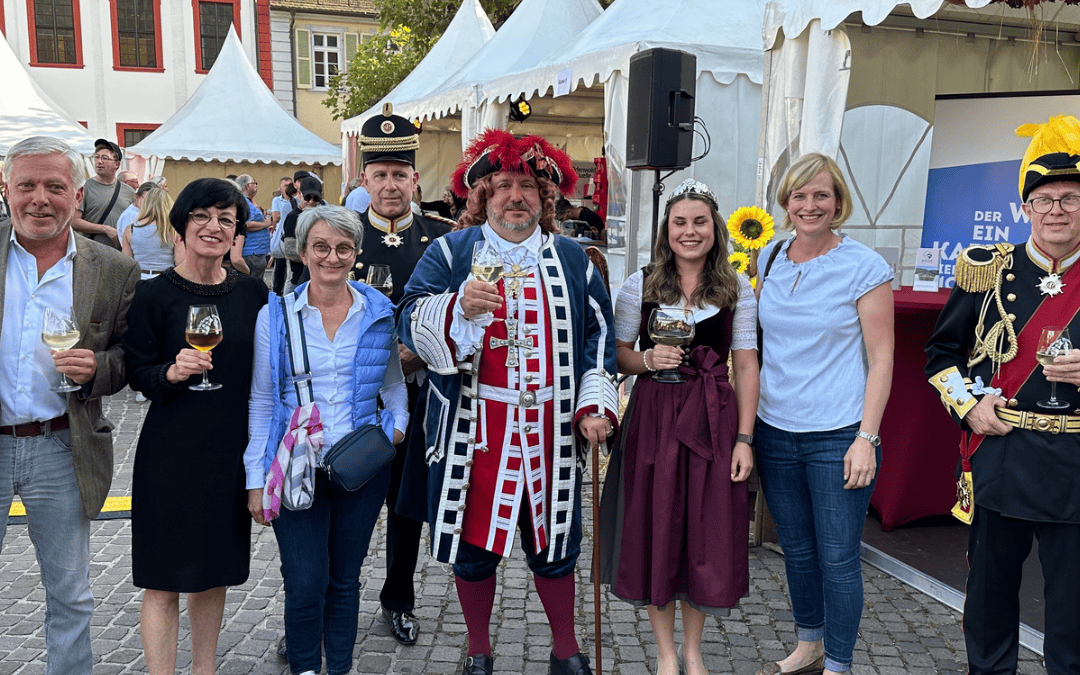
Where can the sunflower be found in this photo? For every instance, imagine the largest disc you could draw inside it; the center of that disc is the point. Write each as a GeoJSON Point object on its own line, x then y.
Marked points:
{"type": "Point", "coordinates": [740, 261]}
{"type": "Point", "coordinates": [751, 227]}
{"type": "Point", "coordinates": [753, 283]}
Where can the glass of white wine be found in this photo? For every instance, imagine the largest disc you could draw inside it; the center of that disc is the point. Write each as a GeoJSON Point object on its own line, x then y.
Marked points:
{"type": "Point", "coordinates": [673, 327]}
{"type": "Point", "coordinates": [203, 333]}
{"type": "Point", "coordinates": [1053, 342]}
{"type": "Point", "coordinates": [60, 333]}
{"type": "Point", "coordinates": [379, 278]}
{"type": "Point", "coordinates": [487, 264]}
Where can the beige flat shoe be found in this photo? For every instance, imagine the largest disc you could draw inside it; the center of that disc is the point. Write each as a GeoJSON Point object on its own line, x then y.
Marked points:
{"type": "Point", "coordinates": [817, 667]}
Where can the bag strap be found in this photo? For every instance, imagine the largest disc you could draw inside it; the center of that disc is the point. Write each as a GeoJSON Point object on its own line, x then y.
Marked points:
{"type": "Point", "coordinates": [115, 194]}
{"type": "Point", "coordinates": [769, 262]}
{"type": "Point", "coordinates": [297, 343]}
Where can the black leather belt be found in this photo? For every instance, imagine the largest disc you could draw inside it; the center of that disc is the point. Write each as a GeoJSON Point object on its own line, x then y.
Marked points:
{"type": "Point", "coordinates": [36, 428]}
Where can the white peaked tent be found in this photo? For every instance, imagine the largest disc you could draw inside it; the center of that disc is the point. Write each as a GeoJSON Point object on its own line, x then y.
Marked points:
{"type": "Point", "coordinates": [26, 110]}
{"type": "Point", "coordinates": [233, 117]}
{"type": "Point", "coordinates": [467, 33]}
{"type": "Point", "coordinates": [727, 46]}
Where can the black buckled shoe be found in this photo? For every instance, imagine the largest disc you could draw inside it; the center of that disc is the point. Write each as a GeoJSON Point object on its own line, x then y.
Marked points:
{"type": "Point", "coordinates": [403, 626]}
{"type": "Point", "coordinates": [578, 664]}
{"type": "Point", "coordinates": [481, 664]}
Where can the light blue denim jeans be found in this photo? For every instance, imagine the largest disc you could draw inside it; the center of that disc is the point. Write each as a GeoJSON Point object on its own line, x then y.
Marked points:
{"type": "Point", "coordinates": [820, 527]}
{"type": "Point", "coordinates": [39, 469]}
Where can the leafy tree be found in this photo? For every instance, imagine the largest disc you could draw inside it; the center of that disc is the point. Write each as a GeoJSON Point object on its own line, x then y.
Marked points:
{"type": "Point", "coordinates": [410, 28]}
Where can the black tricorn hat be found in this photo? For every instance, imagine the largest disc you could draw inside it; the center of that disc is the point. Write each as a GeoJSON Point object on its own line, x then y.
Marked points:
{"type": "Point", "coordinates": [1051, 168]}
{"type": "Point", "coordinates": [388, 138]}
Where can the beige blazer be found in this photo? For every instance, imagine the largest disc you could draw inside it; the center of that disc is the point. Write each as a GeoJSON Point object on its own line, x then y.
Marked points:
{"type": "Point", "coordinates": [104, 283]}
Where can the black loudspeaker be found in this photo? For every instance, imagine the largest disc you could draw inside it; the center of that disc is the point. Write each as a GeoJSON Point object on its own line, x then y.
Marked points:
{"type": "Point", "coordinates": [660, 115]}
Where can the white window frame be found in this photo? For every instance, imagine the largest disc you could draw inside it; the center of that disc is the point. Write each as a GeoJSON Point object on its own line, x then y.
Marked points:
{"type": "Point", "coordinates": [319, 57]}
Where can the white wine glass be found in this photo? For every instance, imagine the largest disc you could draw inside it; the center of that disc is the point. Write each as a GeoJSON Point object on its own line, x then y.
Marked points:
{"type": "Point", "coordinates": [60, 333]}
{"type": "Point", "coordinates": [673, 327]}
{"type": "Point", "coordinates": [379, 278]}
{"type": "Point", "coordinates": [487, 264]}
{"type": "Point", "coordinates": [1053, 342]}
{"type": "Point", "coordinates": [203, 333]}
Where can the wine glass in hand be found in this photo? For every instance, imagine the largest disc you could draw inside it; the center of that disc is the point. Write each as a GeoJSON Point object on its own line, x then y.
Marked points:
{"type": "Point", "coordinates": [1054, 341]}
{"type": "Point", "coordinates": [379, 278]}
{"type": "Point", "coordinates": [487, 264]}
{"type": "Point", "coordinates": [59, 332]}
{"type": "Point", "coordinates": [673, 327]}
{"type": "Point", "coordinates": [203, 333]}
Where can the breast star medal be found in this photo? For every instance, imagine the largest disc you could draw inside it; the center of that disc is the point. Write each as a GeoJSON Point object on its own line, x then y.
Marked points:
{"type": "Point", "coordinates": [391, 239]}
{"type": "Point", "coordinates": [1051, 285]}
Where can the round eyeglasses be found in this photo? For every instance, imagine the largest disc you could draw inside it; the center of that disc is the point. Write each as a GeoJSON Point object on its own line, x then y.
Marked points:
{"type": "Point", "coordinates": [343, 250]}
{"type": "Point", "coordinates": [1069, 204]}
{"type": "Point", "coordinates": [202, 218]}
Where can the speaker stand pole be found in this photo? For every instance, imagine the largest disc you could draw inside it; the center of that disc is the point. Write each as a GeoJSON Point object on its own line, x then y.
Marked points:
{"type": "Point", "coordinates": [657, 190]}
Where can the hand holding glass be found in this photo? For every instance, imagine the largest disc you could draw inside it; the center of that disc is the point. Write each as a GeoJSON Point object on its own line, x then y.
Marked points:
{"type": "Point", "coordinates": [487, 264]}
{"type": "Point", "coordinates": [675, 328]}
{"type": "Point", "coordinates": [379, 278]}
{"type": "Point", "coordinates": [203, 333]}
{"type": "Point", "coordinates": [1053, 342]}
{"type": "Point", "coordinates": [60, 333]}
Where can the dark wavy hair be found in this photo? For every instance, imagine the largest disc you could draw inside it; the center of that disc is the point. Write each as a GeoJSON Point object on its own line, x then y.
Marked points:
{"type": "Point", "coordinates": [204, 193]}
{"type": "Point", "coordinates": [476, 205]}
{"type": "Point", "coordinates": [719, 281]}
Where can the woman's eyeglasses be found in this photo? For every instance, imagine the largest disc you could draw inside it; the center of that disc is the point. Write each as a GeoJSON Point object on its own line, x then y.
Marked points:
{"type": "Point", "coordinates": [343, 250]}
{"type": "Point", "coordinates": [202, 218]}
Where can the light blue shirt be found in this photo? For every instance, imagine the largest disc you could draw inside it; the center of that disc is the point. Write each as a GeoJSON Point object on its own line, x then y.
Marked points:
{"type": "Point", "coordinates": [126, 218]}
{"type": "Point", "coordinates": [813, 375]}
{"type": "Point", "coordinates": [27, 371]}
{"type": "Point", "coordinates": [331, 380]}
{"type": "Point", "coordinates": [358, 199]}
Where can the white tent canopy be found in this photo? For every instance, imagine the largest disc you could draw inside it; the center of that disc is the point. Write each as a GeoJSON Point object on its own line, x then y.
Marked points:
{"type": "Point", "coordinates": [233, 117]}
{"type": "Point", "coordinates": [469, 31]}
{"type": "Point", "coordinates": [26, 110]}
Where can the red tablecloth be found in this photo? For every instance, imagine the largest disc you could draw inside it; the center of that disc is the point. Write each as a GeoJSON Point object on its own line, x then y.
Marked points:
{"type": "Point", "coordinates": [920, 442]}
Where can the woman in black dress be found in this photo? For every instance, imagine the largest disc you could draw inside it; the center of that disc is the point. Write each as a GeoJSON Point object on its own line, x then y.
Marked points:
{"type": "Point", "coordinates": [674, 509]}
{"type": "Point", "coordinates": [189, 520]}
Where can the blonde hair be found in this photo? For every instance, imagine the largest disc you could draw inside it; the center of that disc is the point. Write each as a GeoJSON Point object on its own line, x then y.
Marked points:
{"type": "Point", "coordinates": [155, 211]}
{"type": "Point", "coordinates": [802, 172]}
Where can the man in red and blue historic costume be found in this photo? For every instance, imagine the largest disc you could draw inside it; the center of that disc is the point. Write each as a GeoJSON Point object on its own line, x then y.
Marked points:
{"type": "Point", "coordinates": [1020, 455]}
{"type": "Point", "coordinates": [521, 386]}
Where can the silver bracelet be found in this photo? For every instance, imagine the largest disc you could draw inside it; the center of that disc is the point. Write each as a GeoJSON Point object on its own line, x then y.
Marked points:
{"type": "Point", "coordinates": [645, 360]}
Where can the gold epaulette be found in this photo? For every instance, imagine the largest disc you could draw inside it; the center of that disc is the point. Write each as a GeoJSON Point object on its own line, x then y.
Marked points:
{"type": "Point", "coordinates": [978, 267]}
{"type": "Point", "coordinates": [431, 215]}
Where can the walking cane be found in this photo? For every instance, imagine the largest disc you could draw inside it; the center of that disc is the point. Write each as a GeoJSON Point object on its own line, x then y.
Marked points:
{"type": "Point", "coordinates": [596, 555]}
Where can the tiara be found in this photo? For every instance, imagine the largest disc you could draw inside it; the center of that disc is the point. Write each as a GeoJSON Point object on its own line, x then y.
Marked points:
{"type": "Point", "coordinates": [691, 186]}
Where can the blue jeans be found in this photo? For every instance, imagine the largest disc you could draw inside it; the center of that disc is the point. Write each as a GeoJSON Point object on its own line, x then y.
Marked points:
{"type": "Point", "coordinates": [39, 469]}
{"type": "Point", "coordinates": [322, 550]}
{"type": "Point", "coordinates": [820, 528]}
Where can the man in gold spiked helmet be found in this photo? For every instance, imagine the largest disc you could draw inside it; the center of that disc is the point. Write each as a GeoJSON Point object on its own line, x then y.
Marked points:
{"type": "Point", "coordinates": [1012, 310]}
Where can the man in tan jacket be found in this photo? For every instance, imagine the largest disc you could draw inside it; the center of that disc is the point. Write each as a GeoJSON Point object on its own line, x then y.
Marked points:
{"type": "Point", "coordinates": [56, 448]}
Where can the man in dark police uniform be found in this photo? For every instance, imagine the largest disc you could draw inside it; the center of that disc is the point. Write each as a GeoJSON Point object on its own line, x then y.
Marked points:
{"type": "Point", "coordinates": [1021, 457]}
{"type": "Point", "coordinates": [396, 237]}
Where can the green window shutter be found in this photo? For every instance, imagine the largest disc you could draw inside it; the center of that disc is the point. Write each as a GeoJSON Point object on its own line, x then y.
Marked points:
{"type": "Point", "coordinates": [352, 42]}
{"type": "Point", "coordinates": [303, 59]}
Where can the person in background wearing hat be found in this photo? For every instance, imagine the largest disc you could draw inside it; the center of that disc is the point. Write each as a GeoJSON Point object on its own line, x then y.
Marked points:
{"type": "Point", "coordinates": [104, 196]}
{"type": "Point", "coordinates": [396, 237]}
{"type": "Point", "coordinates": [982, 360]}
{"type": "Point", "coordinates": [310, 195]}
{"type": "Point", "coordinates": [521, 385]}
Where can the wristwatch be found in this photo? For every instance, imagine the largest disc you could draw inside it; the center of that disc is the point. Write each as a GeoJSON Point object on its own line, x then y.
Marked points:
{"type": "Point", "coordinates": [745, 438]}
{"type": "Point", "coordinates": [872, 439]}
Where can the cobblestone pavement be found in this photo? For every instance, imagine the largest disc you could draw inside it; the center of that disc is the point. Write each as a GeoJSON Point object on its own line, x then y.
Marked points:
{"type": "Point", "coordinates": [902, 631]}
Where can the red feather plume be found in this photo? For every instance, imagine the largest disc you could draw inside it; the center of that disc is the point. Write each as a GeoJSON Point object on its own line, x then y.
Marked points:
{"type": "Point", "coordinates": [507, 153]}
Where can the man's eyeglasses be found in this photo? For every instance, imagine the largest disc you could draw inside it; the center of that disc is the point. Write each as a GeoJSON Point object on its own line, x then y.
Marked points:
{"type": "Point", "coordinates": [312, 198]}
{"type": "Point", "coordinates": [104, 158]}
{"type": "Point", "coordinates": [1069, 204]}
{"type": "Point", "coordinates": [202, 218]}
{"type": "Point", "coordinates": [343, 250]}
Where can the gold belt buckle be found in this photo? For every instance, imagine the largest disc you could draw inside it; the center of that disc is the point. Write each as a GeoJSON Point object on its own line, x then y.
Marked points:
{"type": "Point", "coordinates": [1049, 423]}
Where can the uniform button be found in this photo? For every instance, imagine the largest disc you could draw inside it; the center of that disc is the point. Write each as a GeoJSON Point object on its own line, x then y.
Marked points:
{"type": "Point", "coordinates": [528, 378]}
{"type": "Point", "coordinates": [528, 428]}
{"type": "Point", "coordinates": [359, 266]}
{"type": "Point", "coordinates": [483, 449]}
{"type": "Point", "coordinates": [528, 352]}
{"type": "Point", "coordinates": [414, 315]}
{"type": "Point", "coordinates": [468, 462]}
{"type": "Point", "coordinates": [960, 401]}
{"type": "Point", "coordinates": [457, 530]}
{"type": "Point", "coordinates": [1010, 277]}
{"type": "Point", "coordinates": [461, 508]}
{"type": "Point", "coordinates": [949, 390]}
{"type": "Point", "coordinates": [1013, 402]}
{"type": "Point", "coordinates": [1011, 297]}
{"type": "Point", "coordinates": [423, 239]}
{"type": "Point", "coordinates": [465, 486]}
{"type": "Point", "coordinates": [944, 378]}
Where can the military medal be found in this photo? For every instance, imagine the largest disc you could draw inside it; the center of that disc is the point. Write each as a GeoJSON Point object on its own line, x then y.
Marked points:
{"type": "Point", "coordinates": [1051, 285]}
{"type": "Point", "coordinates": [391, 239]}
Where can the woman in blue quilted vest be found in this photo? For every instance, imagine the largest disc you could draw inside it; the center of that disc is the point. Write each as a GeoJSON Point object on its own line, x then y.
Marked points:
{"type": "Point", "coordinates": [342, 334]}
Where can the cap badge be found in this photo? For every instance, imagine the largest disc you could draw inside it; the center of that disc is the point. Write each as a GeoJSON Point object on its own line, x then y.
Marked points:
{"type": "Point", "coordinates": [387, 127]}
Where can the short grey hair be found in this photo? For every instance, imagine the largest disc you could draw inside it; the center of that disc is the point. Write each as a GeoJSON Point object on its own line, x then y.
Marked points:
{"type": "Point", "coordinates": [242, 181]}
{"type": "Point", "coordinates": [46, 145]}
{"type": "Point", "coordinates": [344, 220]}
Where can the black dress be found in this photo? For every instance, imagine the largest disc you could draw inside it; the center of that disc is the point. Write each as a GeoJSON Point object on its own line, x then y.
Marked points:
{"type": "Point", "coordinates": [190, 527]}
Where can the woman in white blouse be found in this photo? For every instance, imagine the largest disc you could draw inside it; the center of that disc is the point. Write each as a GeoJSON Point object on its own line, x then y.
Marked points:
{"type": "Point", "coordinates": [674, 509]}
{"type": "Point", "coordinates": [351, 349]}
